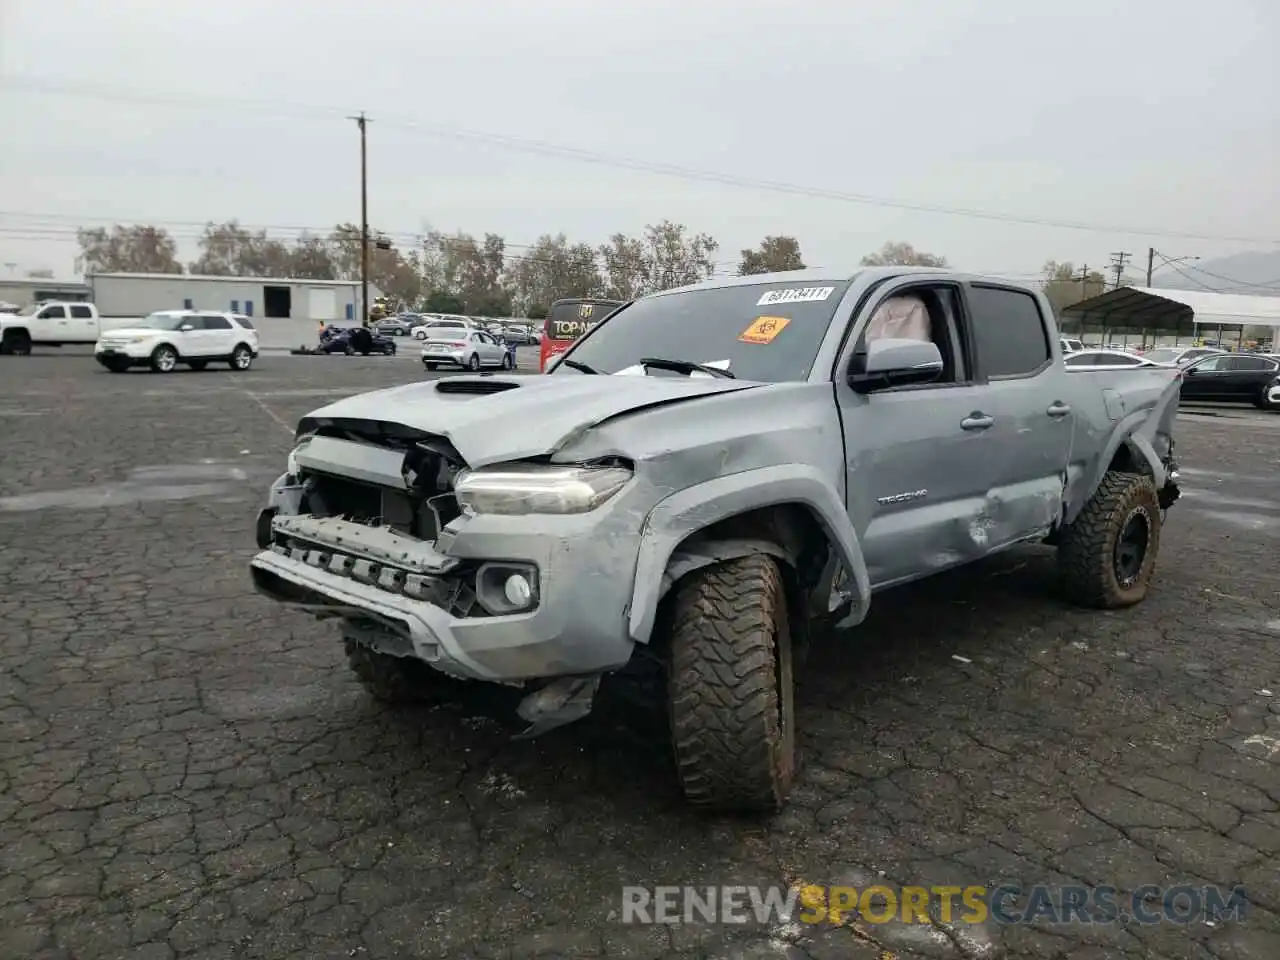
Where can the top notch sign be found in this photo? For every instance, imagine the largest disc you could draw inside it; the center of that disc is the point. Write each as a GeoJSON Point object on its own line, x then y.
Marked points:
{"type": "Point", "coordinates": [773, 298]}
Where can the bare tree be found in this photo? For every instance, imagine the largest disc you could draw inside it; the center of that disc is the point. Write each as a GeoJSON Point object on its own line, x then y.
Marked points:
{"type": "Point", "coordinates": [626, 268]}
{"type": "Point", "coordinates": [128, 249]}
{"type": "Point", "coordinates": [1063, 285]}
{"type": "Point", "coordinates": [904, 255]}
{"type": "Point", "coordinates": [311, 259]}
{"type": "Point", "coordinates": [676, 258]}
{"type": "Point", "coordinates": [474, 271]}
{"type": "Point", "coordinates": [775, 254]}
{"type": "Point", "coordinates": [551, 270]}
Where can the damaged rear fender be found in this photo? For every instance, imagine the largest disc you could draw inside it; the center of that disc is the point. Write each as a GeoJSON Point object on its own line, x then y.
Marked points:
{"type": "Point", "coordinates": [1127, 445]}
{"type": "Point", "coordinates": [682, 515]}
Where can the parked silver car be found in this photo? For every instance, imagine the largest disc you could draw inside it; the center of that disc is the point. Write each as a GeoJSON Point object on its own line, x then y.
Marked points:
{"type": "Point", "coordinates": [467, 349]}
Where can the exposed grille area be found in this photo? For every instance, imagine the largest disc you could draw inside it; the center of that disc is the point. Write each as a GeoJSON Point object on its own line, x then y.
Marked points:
{"type": "Point", "coordinates": [419, 508]}
{"type": "Point", "coordinates": [380, 535]}
{"type": "Point", "coordinates": [454, 592]}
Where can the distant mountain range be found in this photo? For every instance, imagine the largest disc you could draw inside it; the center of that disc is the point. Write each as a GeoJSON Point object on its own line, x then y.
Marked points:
{"type": "Point", "coordinates": [1256, 273]}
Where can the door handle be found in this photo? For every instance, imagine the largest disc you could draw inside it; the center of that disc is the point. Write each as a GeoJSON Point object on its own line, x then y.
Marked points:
{"type": "Point", "coordinates": [1058, 409]}
{"type": "Point", "coordinates": [977, 421]}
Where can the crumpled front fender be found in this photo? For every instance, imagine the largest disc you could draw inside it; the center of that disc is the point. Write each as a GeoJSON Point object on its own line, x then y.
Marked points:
{"type": "Point", "coordinates": [681, 515]}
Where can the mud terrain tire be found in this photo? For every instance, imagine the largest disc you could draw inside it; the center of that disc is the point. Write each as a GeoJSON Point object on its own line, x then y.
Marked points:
{"type": "Point", "coordinates": [1108, 554]}
{"type": "Point", "coordinates": [387, 678]}
{"type": "Point", "coordinates": [730, 687]}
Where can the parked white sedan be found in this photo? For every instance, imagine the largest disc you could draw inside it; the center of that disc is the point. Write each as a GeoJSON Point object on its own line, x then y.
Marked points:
{"type": "Point", "coordinates": [468, 349]}
{"type": "Point", "coordinates": [1108, 360]}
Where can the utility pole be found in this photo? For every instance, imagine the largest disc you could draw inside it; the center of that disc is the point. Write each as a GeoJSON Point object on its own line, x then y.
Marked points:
{"type": "Point", "coordinates": [1151, 264]}
{"type": "Point", "coordinates": [1084, 282]}
{"type": "Point", "coordinates": [362, 122]}
{"type": "Point", "coordinates": [1117, 264]}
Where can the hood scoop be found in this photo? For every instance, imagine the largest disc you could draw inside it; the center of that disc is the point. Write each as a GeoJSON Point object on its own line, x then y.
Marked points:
{"type": "Point", "coordinates": [470, 385]}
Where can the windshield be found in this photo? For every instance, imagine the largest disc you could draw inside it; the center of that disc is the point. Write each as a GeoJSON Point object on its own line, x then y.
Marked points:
{"type": "Point", "coordinates": [165, 321]}
{"type": "Point", "coordinates": [445, 333]}
{"type": "Point", "coordinates": [764, 332]}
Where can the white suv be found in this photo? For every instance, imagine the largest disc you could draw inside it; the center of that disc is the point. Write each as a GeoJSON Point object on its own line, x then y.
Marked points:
{"type": "Point", "coordinates": [170, 337]}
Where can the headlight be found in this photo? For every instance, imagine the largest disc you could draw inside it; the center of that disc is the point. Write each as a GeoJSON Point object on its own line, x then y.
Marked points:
{"type": "Point", "coordinates": [533, 488]}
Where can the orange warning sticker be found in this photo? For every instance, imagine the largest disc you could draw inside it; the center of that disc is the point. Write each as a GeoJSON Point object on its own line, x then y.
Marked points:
{"type": "Point", "coordinates": [763, 329]}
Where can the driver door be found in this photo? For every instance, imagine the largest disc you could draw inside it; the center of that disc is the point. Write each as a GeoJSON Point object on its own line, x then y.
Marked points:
{"type": "Point", "coordinates": [49, 323]}
{"type": "Point", "coordinates": [917, 458]}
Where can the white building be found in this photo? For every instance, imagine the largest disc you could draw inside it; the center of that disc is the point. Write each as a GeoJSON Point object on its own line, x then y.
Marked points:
{"type": "Point", "coordinates": [25, 291]}
{"type": "Point", "coordinates": [137, 294]}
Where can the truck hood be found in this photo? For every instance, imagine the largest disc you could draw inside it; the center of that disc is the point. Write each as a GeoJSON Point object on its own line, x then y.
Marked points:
{"type": "Point", "coordinates": [490, 419]}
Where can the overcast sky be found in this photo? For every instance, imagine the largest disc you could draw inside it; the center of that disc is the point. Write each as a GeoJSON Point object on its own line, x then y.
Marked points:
{"type": "Point", "coordinates": [1143, 116]}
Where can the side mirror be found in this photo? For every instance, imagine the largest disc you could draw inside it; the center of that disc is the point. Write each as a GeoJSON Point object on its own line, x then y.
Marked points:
{"type": "Point", "coordinates": [186, 327]}
{"type": "Point", "coordinates": [894, 363]}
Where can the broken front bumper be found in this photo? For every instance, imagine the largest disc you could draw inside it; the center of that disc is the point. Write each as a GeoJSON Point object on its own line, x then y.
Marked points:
{"type": "Point", "coordinates": [411, 590]}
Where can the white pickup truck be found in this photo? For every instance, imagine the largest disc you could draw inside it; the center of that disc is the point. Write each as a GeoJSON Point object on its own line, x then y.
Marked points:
{"type": "Point", "coordinates": [53, 324]}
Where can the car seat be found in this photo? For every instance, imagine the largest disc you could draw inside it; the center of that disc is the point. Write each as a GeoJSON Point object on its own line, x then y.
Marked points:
{"type": "Point", "coordinates": [904, 317]}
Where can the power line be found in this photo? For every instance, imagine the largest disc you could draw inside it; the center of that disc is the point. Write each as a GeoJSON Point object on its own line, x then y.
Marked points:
{"type": "Point", "coordinates": [1264, 285]}
{"type": "Point", "coordinates": [1270, 285]}
{"type": "Point", "coordinates": [527, 145]}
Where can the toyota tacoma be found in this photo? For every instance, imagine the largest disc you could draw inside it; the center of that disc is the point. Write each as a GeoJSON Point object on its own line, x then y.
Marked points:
{"type": "Point", "coordinates": [701, 478]}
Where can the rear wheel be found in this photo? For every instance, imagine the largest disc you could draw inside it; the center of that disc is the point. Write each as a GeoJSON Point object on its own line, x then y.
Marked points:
{"type": "Point", "coordinates": [1264, 402]}
{"type": "Point", "coordinates": [731, 687]}
{"type": "Point", "coordinates": [164, 358]}
{"type": "Point", "coordinates": [473, 363]}
{"type": "Point", "coordinates": [241, 357]}
{"type": "Point", "coordinates": [1107, 556]}
{"type": "Point", "coordinates": [507, 362]}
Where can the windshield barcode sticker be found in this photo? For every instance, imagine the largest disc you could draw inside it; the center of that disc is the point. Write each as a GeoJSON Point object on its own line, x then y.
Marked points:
{"type": "Point", "coordinates": [795, 295]}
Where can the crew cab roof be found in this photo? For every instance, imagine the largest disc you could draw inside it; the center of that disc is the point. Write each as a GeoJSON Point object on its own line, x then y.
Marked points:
{"type": "Point", "coordinates": [833, 275]}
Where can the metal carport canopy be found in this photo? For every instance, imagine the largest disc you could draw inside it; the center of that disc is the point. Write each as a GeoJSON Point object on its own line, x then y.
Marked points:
{"type": "Point", "coordinates": [1145, 307]}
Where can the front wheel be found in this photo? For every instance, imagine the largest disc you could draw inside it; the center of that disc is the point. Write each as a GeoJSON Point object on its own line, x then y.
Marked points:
{"type": "Point", "coordinates": [507, 362]}
{"type": "Point", "coordinates": [17, 343]}
{"type": "Point", "coordinates": [1107, 556]}
{"type": "Point", "coordinates": [164, 359]}
{"type": "Point", "coordinates": [730, 687]}
{"type": "Point", "coordinates": [1264, 401]}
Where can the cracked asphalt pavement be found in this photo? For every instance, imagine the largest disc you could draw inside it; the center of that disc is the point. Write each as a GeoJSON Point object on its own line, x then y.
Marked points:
{"type": "Point", "coordinates": [188, 771]}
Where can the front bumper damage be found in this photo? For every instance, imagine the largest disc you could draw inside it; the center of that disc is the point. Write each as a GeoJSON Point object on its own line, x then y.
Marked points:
{"type": "Point", "coordinates": [441, 601]}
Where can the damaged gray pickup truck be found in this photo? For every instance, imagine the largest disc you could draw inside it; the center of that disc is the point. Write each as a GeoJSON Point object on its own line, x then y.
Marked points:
{"type": "Point", "coordinates": [706, 475]}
